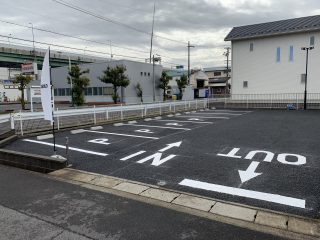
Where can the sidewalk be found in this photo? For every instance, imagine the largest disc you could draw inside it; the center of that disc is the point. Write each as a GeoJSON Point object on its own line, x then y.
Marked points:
{"type": "Point", "coordinates": [34, 206]}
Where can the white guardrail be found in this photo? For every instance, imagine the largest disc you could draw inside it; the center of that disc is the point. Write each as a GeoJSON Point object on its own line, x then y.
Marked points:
{"type": "Point", "coordinates": [32, 121]}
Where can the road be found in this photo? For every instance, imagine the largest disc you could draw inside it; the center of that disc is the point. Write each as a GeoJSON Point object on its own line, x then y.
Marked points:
{"type": "Point", "coordinates": [267, 159]}
{"type": "Point", "coordinates": [35, 206]}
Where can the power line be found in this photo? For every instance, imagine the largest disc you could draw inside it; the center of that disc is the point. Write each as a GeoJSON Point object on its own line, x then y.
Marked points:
{"type": "Point", "coordinates": [66, 35]}
{"type": "Point", "coordinates": [66, 47]}
{"type": "Point", "coordinates": [77, 49]}
{"type": "Point", "coordinates": [111, 20]}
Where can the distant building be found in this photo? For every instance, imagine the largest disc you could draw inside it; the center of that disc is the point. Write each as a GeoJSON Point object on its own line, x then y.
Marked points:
{"type": "Point", "coordinates": [175, 74]}
{"type": "Point", "coordinates": [99, 93]}
{"type": "Point", "coordinates": [267, 57]}
{"type": "Point", "coordinates": [219, 80]}
{"type": "Point", "coordinates": [200, 82]}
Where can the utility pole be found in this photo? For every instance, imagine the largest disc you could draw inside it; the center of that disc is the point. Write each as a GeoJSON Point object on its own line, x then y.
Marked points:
{"type": "Point", "coordinates": [189, 46]}
{"type": "Point", "coordinates": [154, 59]}
{"type": "Point", "coordinates": [227, 54]}
{"type": "Point", "coordinates": [154, 11]}
{"type": "Point", "coordinates": [34, 49]}
{"type": "Point", "coordinates": [111, 55]}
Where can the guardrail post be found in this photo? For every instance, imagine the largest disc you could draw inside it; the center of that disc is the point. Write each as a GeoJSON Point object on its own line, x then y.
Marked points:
{"type": "Point", "coordinates": [94, 115]}
{"type": "Point", "coordinates": [185, 105]}
{"type": "Point", "coordinates": [21, 129]}
{"type": "Point", "coordinates": [160, 107]}
{"type": "Point", "coordinates": [196, 104]}
{"type": "Point", "coordinates": [58, 120]}
{"type": "Point", "coordinates": [189, 105]}
{"type": "Point", "coordinates": [174, 107]}
{"type": "Point", "coordinates": [107, 114]}
{"type": "Point", "coordinates": [12, 121]}
{"type": "Point", "coordinates": [121, 111]}
{"type": "Point", "coordinates": [297, 101]}
{"type": "Point", "coordinates": [145, 111]}
{"type": "Point", "coordinates": [170, 107]}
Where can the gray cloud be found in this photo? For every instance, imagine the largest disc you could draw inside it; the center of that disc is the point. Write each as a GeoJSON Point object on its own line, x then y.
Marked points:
{"type": "Point", "coordinates": [203, 22]}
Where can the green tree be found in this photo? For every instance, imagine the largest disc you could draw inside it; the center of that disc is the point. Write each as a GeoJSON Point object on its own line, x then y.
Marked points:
{"type": "Point", "coordinates": [182, 83]}
{"type": "Point", "coordinates": [22, 81]}
{"type": "Point", "coordinates": [139, 91]}
{"type": "Point", "coordinates": [164, 84]}
{"type": "Point", "coordinates": [117, 77]}
{"type": "Point", "coordinates": [79, 83]}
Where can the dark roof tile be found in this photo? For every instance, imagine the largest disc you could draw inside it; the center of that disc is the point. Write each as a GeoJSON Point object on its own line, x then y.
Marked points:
{"type": "Point", "coordinates": [275, 28]}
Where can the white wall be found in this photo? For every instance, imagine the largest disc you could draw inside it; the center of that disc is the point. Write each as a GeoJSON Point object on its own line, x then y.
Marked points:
{"type": "Point", "coordinates": [265, 75]}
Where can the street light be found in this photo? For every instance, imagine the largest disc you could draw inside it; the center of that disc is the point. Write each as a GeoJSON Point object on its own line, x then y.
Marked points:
{"type": "Point", "coordinates": [306, 78]}
{"type": "Point", "coordinates": [154, 59]}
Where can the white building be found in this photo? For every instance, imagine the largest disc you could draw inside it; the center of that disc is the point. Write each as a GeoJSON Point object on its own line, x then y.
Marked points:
{"type": "Point", "coordinates": [219, 80]}
{"type": "Point", "coordinates": [267, 58]}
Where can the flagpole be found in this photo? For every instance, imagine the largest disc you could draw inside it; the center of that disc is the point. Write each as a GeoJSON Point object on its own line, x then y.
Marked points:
{"type": "Point", "coordinates": [53, 130]}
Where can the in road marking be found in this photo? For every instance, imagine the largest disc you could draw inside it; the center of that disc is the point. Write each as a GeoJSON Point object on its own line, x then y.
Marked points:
{"type": "Point", "coordinates": [184, 121]}
{"type": "Point", "coordinates": [289, 201]}
{"type": "Point", "coordinates": [158, 127]}
{"type": "Point", "coordinates": [70, 148]}
{"type": "Point", "coordinates": [120, 134]}
{"type": "Point", "coordinates": [132, 155]}
{"type": "Point", "coordinates": [187, 116]}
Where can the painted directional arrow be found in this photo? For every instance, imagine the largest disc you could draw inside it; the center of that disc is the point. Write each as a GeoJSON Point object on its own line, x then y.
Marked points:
{"type": "Point", "coordinates": [249, 173]}
{"type": "Point", "coordinates": [176, 144]}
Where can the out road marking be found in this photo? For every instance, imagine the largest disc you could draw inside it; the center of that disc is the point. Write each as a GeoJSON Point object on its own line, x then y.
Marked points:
{"type": "Point", "coordinates": [70, 148]}
{"type": "Point", "coordinates": [120, 134]}
{"type": "Point", "coordinates": [289, 201]}
{"type": "Point", "coordinates": [157, 127]}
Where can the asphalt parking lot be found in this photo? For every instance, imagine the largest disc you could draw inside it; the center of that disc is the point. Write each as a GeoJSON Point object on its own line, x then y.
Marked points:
{"type": "Point", "coordinates": [263, 158]}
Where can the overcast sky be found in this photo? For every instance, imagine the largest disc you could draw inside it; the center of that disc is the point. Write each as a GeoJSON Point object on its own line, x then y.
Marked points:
{"type": "Point", "coordinates": [204, 23]}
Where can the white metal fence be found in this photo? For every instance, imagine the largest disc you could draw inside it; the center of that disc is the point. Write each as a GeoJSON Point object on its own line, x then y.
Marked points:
{"type": "Point", "coordinates": [27, 122]}
{"type": "Point", "coordinates": [269, 101]}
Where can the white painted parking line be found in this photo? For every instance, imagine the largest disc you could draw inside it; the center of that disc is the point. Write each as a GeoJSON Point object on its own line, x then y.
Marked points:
{"type": "Point", "coordinates": [231, 111]}
{"type": "Point", "coordinates": [289, 201]}
{"type": "Point", "coordinates": [120, 134]}
{"type": "Point", "coordinates": [219, 113]}
{"type": "Point", "coordinates": [132, 156]}
{"type": "Point", "coordinates": [70, 148]}
{"type": "Point", "coordinates": [187, 129]}
{"type": "Point", "coordinates": [177, 121]}
{"type": "Point", "coordinates": [187, 116]}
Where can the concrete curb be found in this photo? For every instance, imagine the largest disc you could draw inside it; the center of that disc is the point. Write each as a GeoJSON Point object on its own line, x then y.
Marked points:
{"type": "Point", "coordinates": [31, 162]}
{"type": "Point", "coordinates": [282, 224]}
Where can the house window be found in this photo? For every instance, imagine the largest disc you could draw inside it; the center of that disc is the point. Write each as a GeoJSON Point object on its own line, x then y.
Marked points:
{"type": "Point", "coordinates": [291, 54]}
{"type": "Point", "coordinates": [107, 91]}
{"type": "Point", "coordinates": [99, 91]}
{"type": "Point", "coordinates": [89, 91]}
{"type": "Point", "coordinates": [303, 78]}
{"type": "Point", "coordinates": [278, 54]}
{"type": "Point", "coordinates": [148, 74]}
{"type": "Point", "coordinates": [217, 74]}
{"type": "Point", "coordinates": [56, 92]}
{"type": "Point", "coordinates": [141, 73]}
{"type": "Point", "coordinates": [68, 91]}
{"type": "Point", "coordinates": [145, 73]}
{"type": "Point", "coordinates": [245, 84]}
{"type": "Point", "coordinates": [312, 41]}
{"type": "Point", "coordinates": [251, 47]}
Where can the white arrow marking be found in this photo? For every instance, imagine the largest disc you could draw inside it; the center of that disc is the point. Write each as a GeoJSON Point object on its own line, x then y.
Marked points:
{"type": "Point", "coordinates": [177, 144]}
{"type": "Point", "coordinates": [249, 173]}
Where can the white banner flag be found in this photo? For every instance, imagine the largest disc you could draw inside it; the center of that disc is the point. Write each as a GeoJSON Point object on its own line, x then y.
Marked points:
{"type": "Point", "coordinates": [46, 88]}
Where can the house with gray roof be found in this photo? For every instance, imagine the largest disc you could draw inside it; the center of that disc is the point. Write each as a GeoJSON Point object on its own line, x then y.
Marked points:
{"type": "Point", "coordinates": [267, 57]}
